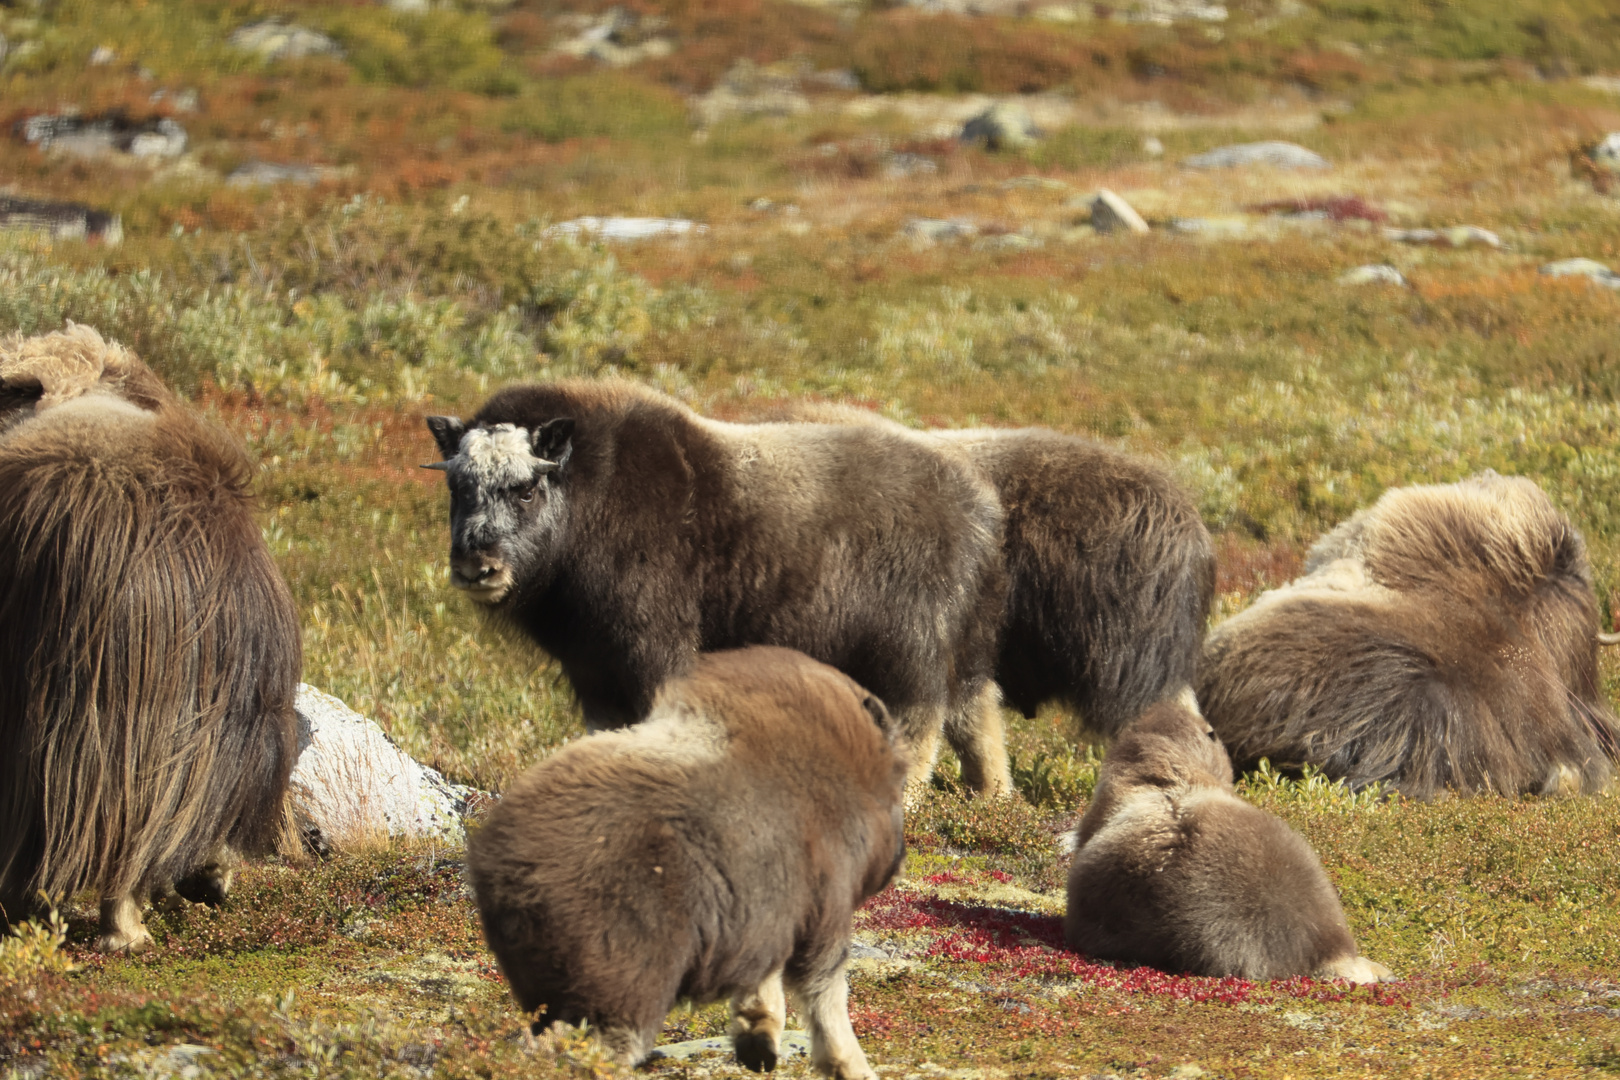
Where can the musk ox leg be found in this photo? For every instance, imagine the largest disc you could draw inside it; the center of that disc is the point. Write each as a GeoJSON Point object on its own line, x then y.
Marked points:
{"type": "Point", "coordinates": [921, 728]}
{"type": "Point", "coordinates": [630, 1045]}
{"type": "Point", "coordinates": [975, 732]}
{"type": "Point", "coordinates": [210, 883]}
{"type": "Point", "coordinates": [122, 929]}
{"type": "Point", "coordinates": [757, 1019]}
{"type": "Point", "coordinates": [824, 999]}
{"type": "Point", "coordinates": [1356, 969]}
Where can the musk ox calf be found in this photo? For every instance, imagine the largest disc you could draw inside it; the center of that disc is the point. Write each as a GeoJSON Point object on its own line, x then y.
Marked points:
{"type": "Point", "coordinates": [625, 534]}
{"type": "Point", "coordinates": [1110, 575]}
{"type": "Point", "coordinates": [1173, 870]}
{"type": "Point", "coordinates": [1443, 639]}
{"type": "Point", "coordinates": [150, 649]}
{"type": "Point", "coordinates": [715, 850]}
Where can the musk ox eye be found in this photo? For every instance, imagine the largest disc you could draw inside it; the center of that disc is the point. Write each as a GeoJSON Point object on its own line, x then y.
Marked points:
{"type": "Point", "coordinates": [527, 494]}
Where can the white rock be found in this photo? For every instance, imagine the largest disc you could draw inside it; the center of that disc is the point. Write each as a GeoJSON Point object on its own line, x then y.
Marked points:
{"type": "Point", "coordinates": [1279, 155]}
{"type": "Point", "coordinates": [264, 173]}
{"type": "Point", "coordinates": [1606, 154]}
{"type": "Point", "coordinates": [1213, 228]}
{"type": "Point", "coordinates": [1455, 236]}
{"type": "Point", "coordinates": [1372, 274]}
{"type": "Point", "coordinates": [1006, 125]}
{"type": "Point", "coordinates": [102, 55]}
{"type": "Point", "coordinates": [1110, 213]}
{"type": "Point", "coordinates": [626, 228]}
{"type": "Point", "coordinates": [1590, 269]}
{"type": "Point", "coordinates": [938, 230]}
{"type": "Point", "coordinates": [352, 784]}
{"type": "Point", "coordinates": [276, 40]}
{"type": "Point", "coordinates": [1152, 147]}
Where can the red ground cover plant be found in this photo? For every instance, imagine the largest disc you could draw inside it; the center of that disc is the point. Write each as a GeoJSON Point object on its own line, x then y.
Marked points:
{"type": "Point", "coordinates": [1336, 207]}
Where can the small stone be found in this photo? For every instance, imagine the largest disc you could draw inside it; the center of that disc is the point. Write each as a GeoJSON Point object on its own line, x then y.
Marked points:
{"type": "Point", "coordinates": [938, 230]}
{"type": "Point", "coordinates": [1005, 125]}
{"type": "Point", "coordinates": [1278, 155]}
{"type": "Point", "coordinates": [1110, 213]}
{"type": "Point", "coordinates": [1006, 242]}
{"type": "Point", "coordinates": [60, 220]}
{"type": "Point", "coordinates": [1212, 228]}
{"type": "Point", "coordinates": [102, 55]}
{"type": "Point", "coordinates": [903, 166]}
{"type": "Point", "coordinates": [1606, 154]}
{"type": "Point", "coordinates": [1590, 269]}
{"type": "Point", "coordinates": [1456, 236]}
{"type": "Point", "coordinates": [272, 39]}
{"type": "Point", "coordinates": [626, 228]}
{"type": "Point", "coordinates": [1372, 274]}
{"type": "Point", "coordinates": [1035, 183]}
{"type": "Point", "coordinates": [410, 7]}
{"type": "Point", "coordinates": [265, 173]}
{"type": "Point", "coordinates": [1152, 147]}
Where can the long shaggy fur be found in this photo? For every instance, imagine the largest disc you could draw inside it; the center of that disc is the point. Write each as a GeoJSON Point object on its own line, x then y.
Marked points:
{"type": "Point", "coordinates": [625, 534]}
{"type": "Point", "coordinates": [1110, 575]}
{"type": "Point", "coordinates": [1173, 870]}
{"type": "Point", "coordinates": [1443, 639]}
{"type": "Point", "coordinates": [716, 850]}
{"type": "Point", "coordinates": [150, 648]}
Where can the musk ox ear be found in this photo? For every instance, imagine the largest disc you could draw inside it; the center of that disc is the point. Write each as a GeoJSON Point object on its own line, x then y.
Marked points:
{"type": "Point", "coordinates": [447, 432]}
{"type": "Point", "coordinates": [553, 441]}
{"type": "Point", "coordinates": [879, 713]}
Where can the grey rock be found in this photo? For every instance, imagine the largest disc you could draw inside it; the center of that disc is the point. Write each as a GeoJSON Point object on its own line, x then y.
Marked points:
{"type": "Point", "coordinates": [102, 55]}
{"type": "Point", "coordinates": [352, 784]}
{"type": "Point", "coordinates": [1006, 125]}
{"type": "Point", "coordinates": [1170, 12]}
{"type": "Point", "coordinates": [1212, 228]}
{"type": "Point", "coordinates": [60, 220]}
{"type": "Point", "coordinates": [617, 38]}
{"type": "Point", "coordinates": [1606, 154]}
{"type": "Point", "coordinates": [1372, 274]}
{"type": "Point", "coordinates": [265, 173]}
{"type": "Point", "coordinates": [273, 39]}
{"type": "Point", "coordinates": [1278, 155]}
{"type": "Point", "coordinates": [108, 133]}
{"type": "Point", "coordinates": [902, 166]}
{"type": "Point", "coordinates": [1110, 213]}
{"type": "Point", "coordinates": [749, 89]}
{"type": "Point", "coordinates": [626, 228]}
{"type": "Point", "coordinates": [1152, 147]}
{"type": "Point", "coordinates": [1590, 269]}
{"type": "Point", "coordinates": [794, 1044]}
{"type": "Point", "coordinates": [938, 230]}
{"type": "Point", "coordinates": [1456, 236]}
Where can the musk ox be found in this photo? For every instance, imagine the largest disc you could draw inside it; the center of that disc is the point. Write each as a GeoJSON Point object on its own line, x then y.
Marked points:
{"type": "Point", "coordinates": [1173, 870]}
{"type": "Point", "coordinates": [150, 649]}
{"type": "Point", "coordinates": [715, 850]}
{"type": "Point", "coordinates": [625, 534]}
{"type": "Point", "coordinates": [1443, 639]}
{"type": "Point", "coordinates": [1110, 575]}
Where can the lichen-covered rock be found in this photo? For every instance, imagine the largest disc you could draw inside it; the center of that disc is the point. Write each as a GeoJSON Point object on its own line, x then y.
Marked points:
{"type": "Point", "coordinates": [1590, 269]}
{"type": "Point", "coordinates": [1006, 125]}
{"type": "Point", "coordinates": [351, 784]}
{"type": "Point", "coordinates": [625, 228]}
{"type": "Point", "coordinates": [1110, 213]}
{"type": "Point", "coordinates": [276, 40]}
{"type": "Point", "coordinates": [1372, 274]}
{"type": "Point", "coordinates": [1278, 155]}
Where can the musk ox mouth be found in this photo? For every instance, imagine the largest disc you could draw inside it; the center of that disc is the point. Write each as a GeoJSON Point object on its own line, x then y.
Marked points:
{"type": "Point", "coordinates": [490, 588]}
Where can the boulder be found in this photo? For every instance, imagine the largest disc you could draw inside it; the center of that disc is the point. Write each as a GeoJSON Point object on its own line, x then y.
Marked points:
{"type": "Point", "coordinates": [617, 38]}
{"type": "Point", "coordinates": [1110, 213]}
{"type": "Point", "coordinates": [352, 785]}
{"type": "Point", "coordinates": [1278, 155]}
{"type": "Point", "coordinates": [60, 220]}
{"type": "Point", "coordinates": [1606, 154]}
{"type": "Point", "coordinates": [104, 134]}
{"type": "Point", "coordinates": [1006, 125]}
{"type": "Point", "coordinates": [1590, 269]}
{"type": "Point", "coordinates": [749, 89]}
{"type": "Point", "coordinates": [626, 228]}
{"type": "Point", "coordinates": [273, 39]}
{"type": "Point", "coordinates": [1372, 274]}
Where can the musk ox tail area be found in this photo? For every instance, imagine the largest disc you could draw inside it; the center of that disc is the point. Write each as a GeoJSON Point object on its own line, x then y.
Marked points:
{"type": "Point", "coordinates": [1445, 638]}
{"type": "Point", "coordinates": [1111, 574]}
{"type": "Point", "coordinates": [150, 646]}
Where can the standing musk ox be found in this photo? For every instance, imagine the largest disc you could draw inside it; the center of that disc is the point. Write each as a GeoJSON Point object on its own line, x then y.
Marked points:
{"type": "Point", "coordinates": [1444, 639]}
{"type": "Point", "coordinates": [625, 534]}
{"type": "Point", "coordinates": [715, 850]}
{"type": "Point", "coordinates": [1173, 870]}
{"type": "Point", "coordinates": [1110, 575]}
{"type": "Point", "coordinates": [150, 649]}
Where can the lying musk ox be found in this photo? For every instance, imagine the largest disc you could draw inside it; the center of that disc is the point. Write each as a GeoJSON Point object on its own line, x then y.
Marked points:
{"type": "Point", "coordinates": [1444, 639]}
{"type": "Point", "coordinates": [1110, 575]}
{"type": "Point", "coordinates": [149, 646]}
{"type": "Point", "coordinates": [1173, 870]}
{"type": "Point", "coordinates": [625, 534]}
{"type": "Point", "coordinates": [715, 850]}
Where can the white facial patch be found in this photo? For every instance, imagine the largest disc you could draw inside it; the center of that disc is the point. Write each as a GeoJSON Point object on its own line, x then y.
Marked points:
{"type": "Point", "coordinates": [499, 457]}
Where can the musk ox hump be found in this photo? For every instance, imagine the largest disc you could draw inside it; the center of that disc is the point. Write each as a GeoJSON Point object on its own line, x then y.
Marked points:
{"type": "Point", "coordinates": [66, 364]}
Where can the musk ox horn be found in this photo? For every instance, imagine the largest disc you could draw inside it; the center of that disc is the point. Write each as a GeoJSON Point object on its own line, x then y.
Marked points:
{"type": "Point", "coordinates": [440, 466]}
{"type": "Point", "coordinates": [1608, 639]}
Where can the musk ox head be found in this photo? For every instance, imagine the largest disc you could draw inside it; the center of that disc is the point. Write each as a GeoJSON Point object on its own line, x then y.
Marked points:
{"type": "Point", "coordinates": [506, 500]}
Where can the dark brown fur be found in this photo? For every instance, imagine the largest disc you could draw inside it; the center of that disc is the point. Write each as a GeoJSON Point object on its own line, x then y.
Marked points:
{"type": "Point", "coordinates": [1444, 639]}
{"type": "Point", "coordinates": [150, 648]}
{"type": "Point", "coordinates": [723, 841]}
{"type": "Point", "coordinates": [1110, 575]}
{"type": "Point", "coordinates": [658, 535]}
{"type": "Point", "coordinates": [1173, 870]}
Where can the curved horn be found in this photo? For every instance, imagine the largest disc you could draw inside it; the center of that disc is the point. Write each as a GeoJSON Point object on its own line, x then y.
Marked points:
{"type": "Point", "coordinates": [1608, 639]}
{"type": "Point", "coordinates": [543, 467]}
{"type": "Point", "coordinates": [440, 466]}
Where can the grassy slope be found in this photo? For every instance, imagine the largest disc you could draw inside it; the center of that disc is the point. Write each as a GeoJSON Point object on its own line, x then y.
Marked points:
{"type": "Point", "coordinates": [323, 323]}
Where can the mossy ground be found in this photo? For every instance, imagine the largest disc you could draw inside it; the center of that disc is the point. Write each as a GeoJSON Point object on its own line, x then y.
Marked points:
{"type": "Point", "coordinates": [323, 323]}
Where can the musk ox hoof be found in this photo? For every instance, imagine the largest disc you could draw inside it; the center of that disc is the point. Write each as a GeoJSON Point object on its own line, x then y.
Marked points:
{"type": "Point", "coordinates": [1356, 969]}
{"type": "Point", "coordinates": [210, 886]}
{"type": "Point", "coordinates": [125, 941]}
{"type": "Point", "coordinates": [756, 1050]}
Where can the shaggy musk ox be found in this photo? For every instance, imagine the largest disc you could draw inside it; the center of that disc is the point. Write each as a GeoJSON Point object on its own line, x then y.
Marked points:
{"type": "Point", "coordinates": [1443, 639]}
{"type": "Point", "coordinates": [715, 850]}
{"type": "Point", "coordinates": [1110, 574]}
{"type": "Point", "coordinates": [1173, 870]}
{"type": "Point", "coordinates": [625, 534]}
{"type": "Point", "coordinates": [149, 646]}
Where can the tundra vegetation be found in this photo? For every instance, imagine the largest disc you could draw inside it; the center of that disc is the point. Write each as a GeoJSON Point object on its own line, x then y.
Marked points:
{"type": "Point", "coordinates": [414, 274]}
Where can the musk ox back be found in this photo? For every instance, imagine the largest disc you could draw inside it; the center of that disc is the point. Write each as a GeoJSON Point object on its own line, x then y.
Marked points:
{"type": "Point", "coordinates": [1173, 870]}
{"type": "Point", "coordinates": [625, 534]}
{"type": "Point", "coordinates": [1110, 575]}
{"type": "Point", "coordinates": [1445, 638]}
{"type": "Point", "coordinates": [150, 648]}
{"type": "Point", "coordinates": [715, 850]}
